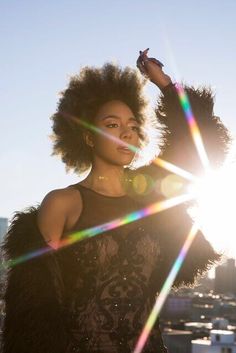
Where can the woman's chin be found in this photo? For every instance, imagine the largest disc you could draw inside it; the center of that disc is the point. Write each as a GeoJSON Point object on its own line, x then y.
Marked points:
{"type": "Point", "coordinates": [127, 161]}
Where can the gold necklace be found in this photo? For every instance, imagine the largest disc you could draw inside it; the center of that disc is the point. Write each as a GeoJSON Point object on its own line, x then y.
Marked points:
{"type": "Point", "coordinates": [101, 177]}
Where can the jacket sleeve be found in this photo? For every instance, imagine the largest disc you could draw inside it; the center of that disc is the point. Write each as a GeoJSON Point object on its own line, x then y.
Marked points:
{"type": "Point", "coordinates": [177, 144]}
{"type": "Point", "coordinates": [174, 225]}
{"type": "Point", "coordinates": [177, 147]}
{"type": "Point", "coordinates": [33, 297]}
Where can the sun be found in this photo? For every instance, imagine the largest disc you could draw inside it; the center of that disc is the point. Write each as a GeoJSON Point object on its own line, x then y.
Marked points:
{"type": "Point", "coordinates": [215, 210]}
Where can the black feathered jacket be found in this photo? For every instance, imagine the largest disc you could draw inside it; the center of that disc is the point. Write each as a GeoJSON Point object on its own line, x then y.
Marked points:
{"type": "Point", "coordinates": [34, 294]}
{"type": "Point", "coordinates": [34, 320]}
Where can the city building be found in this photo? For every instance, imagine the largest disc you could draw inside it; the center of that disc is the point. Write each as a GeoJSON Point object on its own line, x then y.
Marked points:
{"type": "Point", "coordinates": [227, 309]}
{"type": "Point", "coordinates": [3, 227]}
{"type": "Point", "coordinates": [177, 307]}
{"type": "Point", "coordinates": [193, 306]}
{"type": "Point", "coordinates": [203, 329]}
{"type": "Point", "coordinates": [3, 230]}
{"type": "Point", "coordinates": [177, 341]}
{"type": "Point", "coordinates": [225, 278]}
{"type": "Point", "coordinates": [220, 341]}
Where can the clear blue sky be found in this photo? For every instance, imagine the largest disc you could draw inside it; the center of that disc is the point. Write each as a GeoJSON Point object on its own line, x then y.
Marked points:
{"type": "Point", "coordinates": [43, 42]}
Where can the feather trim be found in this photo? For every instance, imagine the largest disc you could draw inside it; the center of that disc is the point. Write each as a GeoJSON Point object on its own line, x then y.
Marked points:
{"type": "Point", "coordinates": [34, 314]}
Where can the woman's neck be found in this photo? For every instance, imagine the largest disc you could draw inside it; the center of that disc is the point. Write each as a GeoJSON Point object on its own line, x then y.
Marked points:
{"type": "Point", "coordinates": [108, 181]}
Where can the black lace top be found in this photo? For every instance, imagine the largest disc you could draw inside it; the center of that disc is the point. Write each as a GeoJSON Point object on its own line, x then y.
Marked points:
{"type": "Point", "coordinates": [111, 280]}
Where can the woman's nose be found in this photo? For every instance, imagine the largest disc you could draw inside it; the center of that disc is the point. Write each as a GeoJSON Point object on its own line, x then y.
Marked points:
{"type": "Point", "coordinates": [126, 132]}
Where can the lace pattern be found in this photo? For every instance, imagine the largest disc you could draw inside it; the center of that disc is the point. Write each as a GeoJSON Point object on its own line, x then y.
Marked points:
{"type": "Point", "coordinates": [110, 289]}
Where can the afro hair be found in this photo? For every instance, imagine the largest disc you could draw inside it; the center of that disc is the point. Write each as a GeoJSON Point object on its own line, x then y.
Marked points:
{"type": "Point", "coordinates": [86, 93]}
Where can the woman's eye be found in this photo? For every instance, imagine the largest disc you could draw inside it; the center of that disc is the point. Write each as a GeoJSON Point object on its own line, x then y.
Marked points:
{"type": "Point", "coordinates": [112, 125]}
{"type": "Point", "coordinates": [135, 128]}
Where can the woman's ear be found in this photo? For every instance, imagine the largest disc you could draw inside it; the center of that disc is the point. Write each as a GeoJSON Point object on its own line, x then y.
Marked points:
{"type": "Point", "coordinates": [88, 138]}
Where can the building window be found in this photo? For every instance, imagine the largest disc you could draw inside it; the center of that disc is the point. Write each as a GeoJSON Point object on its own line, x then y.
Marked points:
{"type": "Point", "coordinates": [226, 350]}
{"type": "Point", "coordinates": [217, 337]}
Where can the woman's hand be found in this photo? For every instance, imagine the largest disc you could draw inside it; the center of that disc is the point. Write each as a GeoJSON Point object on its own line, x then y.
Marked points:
{"type": "Point", "coordinates": [152, 69]}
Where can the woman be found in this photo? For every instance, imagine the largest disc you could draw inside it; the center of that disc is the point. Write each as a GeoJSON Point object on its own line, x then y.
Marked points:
{"type": "Point", "coordinates": [95, 295]}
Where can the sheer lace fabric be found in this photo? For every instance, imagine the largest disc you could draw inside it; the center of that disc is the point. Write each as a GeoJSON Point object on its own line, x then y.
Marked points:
{"type": "Point", "coordinates": [111, 280]}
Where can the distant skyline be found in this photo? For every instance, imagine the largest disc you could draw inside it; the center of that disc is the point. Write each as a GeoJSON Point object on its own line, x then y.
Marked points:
{"type": "Point", "coordinates": [3, 227]}
{"type": "Point", "coordinates": [43, 43]}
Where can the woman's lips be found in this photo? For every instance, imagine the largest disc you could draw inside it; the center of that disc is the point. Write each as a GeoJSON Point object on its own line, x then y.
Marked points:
{"type": "Point", "coordinates": [125, 150]}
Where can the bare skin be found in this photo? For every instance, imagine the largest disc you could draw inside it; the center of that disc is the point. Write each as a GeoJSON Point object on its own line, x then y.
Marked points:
{"type": "Point", "coordinates": [110, 157]}
{"type": "Point", "coordinates": [61, 208]}
{"type": "Point", "coordinates": [154, 72]}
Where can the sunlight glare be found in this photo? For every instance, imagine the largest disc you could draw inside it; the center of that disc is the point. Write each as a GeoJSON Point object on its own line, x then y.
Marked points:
{"type": "Point", "coordinates": [216, 196]}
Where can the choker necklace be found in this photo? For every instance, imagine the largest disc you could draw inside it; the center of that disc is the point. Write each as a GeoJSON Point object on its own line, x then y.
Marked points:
{"type": "Point", "coordinates": [101, 177]}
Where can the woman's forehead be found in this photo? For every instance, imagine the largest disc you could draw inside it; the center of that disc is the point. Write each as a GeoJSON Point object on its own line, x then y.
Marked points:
{"type": "Point", "coordinates": [116, 109]}
{"type": "Point", "coordinates": [112, 116]}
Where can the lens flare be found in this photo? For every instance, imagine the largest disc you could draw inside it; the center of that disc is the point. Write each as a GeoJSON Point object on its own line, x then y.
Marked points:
{"type": "Point", "coordinates": [142, 184]}
{"type": "Point", "coordinates": [158, 161]}
{"type": "Point", "coordinates": [195, 132]}
{"type": "Point", "coordinates": [172, 185]}
{"type": "Point", "coordinates": [193, 126]}
{"type": "Point", "coordinates": [152, 209]}
{"type": "Point", "coordinates": [131, 217]}
{"type": "Point", "coordinates": [165, 291]}
{"type": "Point", "coordinates": [27, 257]}
{"type": "Point", "coordinates": [93, 231]}
{"type": "Point", "coordinates": [100, 132]}
{"type": "Point", "coordinates": [215, 196]}
{"type": "Point", "coordinates": [174, 169]}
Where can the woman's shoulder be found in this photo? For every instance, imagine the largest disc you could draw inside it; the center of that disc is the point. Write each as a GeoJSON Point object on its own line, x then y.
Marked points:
{"type": "Point", "coordinates": [62, 197]}
{"type": "Point", "coordinates": [67, 200]}
{"type": "Point", "coordinates": [59, 210]}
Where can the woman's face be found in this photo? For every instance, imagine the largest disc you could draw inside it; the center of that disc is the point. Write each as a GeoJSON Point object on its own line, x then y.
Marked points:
{"type": "Point", "coordinates": [116, 119]}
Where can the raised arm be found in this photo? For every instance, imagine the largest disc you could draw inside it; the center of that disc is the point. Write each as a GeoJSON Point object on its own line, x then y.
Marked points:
{"type": "Point", "coordinates": [177, 147]}
{"type": "Point", "coordinates": [177, 144]}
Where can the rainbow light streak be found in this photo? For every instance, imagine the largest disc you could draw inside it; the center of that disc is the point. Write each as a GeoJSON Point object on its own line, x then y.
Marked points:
{"type": "Point", "coordinates": [91, 232]}
{"type": "Point", "coordinates": [174, 169]}
{"type": "Point", "coordinates": [28, 256]}
{"type": "Point", "coordinates": [152, 209]}
{"type": "Point", "coordinates": [101, 132]}
{"type": "Point", "coordinates": [165, 291]}
{"type": "Point", "coordinates": [184, 101]}
{"type": "Point", "coordinates": [194, 129]}
{"type": "Point", "coordinates": [131, 217]}
{"type": "Point", "coordinates": [158, 161]}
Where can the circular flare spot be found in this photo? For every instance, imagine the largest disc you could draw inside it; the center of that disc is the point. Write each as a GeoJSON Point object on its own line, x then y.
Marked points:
{"type": "Point", "coordinates": [142, 184]}
{"type": "Point", "coordinates": [172, 185]}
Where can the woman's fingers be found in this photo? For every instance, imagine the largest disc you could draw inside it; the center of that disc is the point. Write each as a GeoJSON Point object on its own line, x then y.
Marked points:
{"type": "Point", "coordinates": [143, 63]}
{"type": "Point", "coordinates": [151, 68]}
{"type": "Point", "coordinates": [144, 53]}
